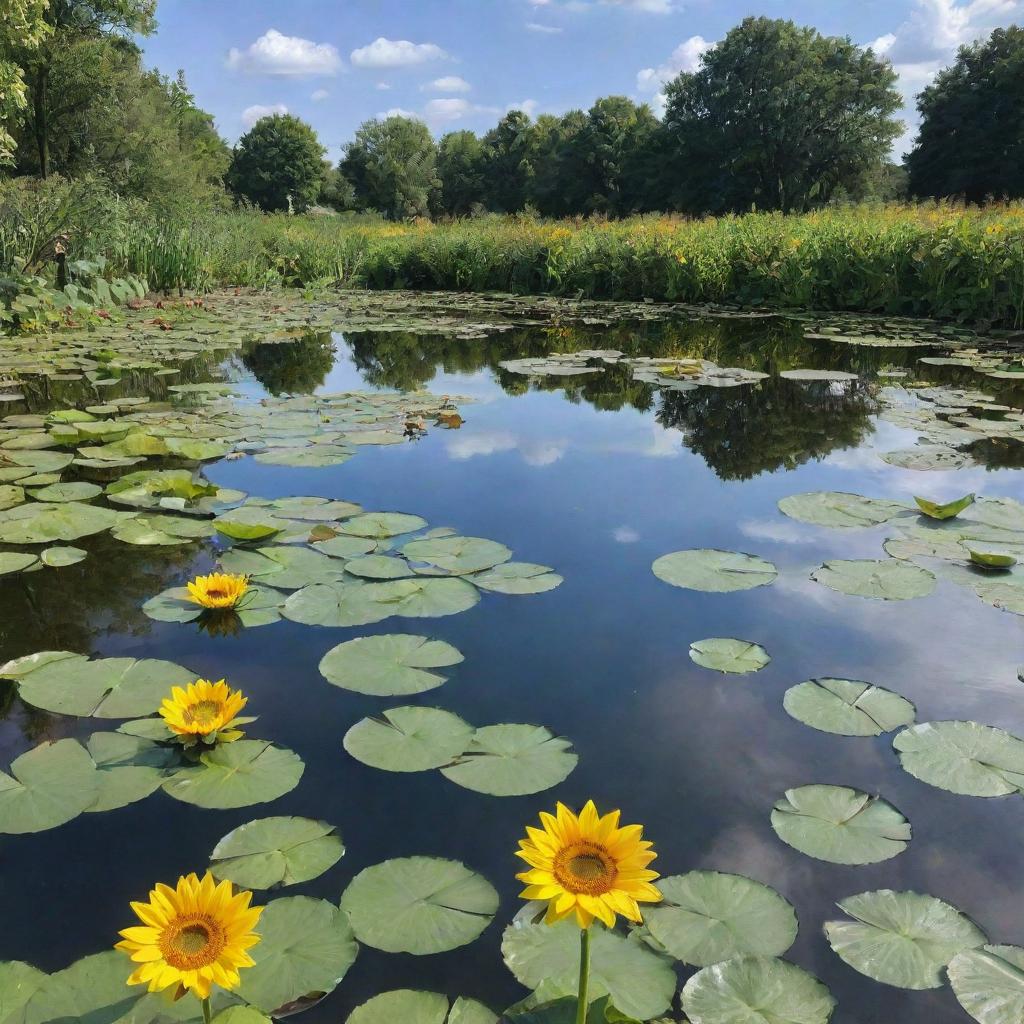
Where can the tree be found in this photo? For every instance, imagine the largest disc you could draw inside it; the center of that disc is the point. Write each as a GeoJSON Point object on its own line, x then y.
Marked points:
{"type": "Point", "coordinates": [777, 116]}
{"type": "Point", "coordinates": [971, 140]}
{"type": "Point", "coordinates": [460, 169]}
{"type": "Point", "coordinates": [24, 27]}
{"type": "Point", "coordinates": [554, 187]}
{"type": "Point", "coordinates": [279, 157]}
{"type": "Point", "coordinates": [392, 165]}
{"type": "Point", "coordinates": [509, 155]}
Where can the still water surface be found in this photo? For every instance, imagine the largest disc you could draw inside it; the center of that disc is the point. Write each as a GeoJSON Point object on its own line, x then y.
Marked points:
{"type": "Point", "coordinates": [597, 479]}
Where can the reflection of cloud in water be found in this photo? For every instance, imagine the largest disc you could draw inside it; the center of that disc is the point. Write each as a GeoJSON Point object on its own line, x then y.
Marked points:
{"type": "Point", "coordinates": [662, 443]}
{"type": "Point", "coordinates": [625, 535]}
{"type": "Point", "coordinates": [534, 452]}
{"type": "Point", "coordinates": [543, 453]}
{"type": "Point", "coordinates": [781, 533]}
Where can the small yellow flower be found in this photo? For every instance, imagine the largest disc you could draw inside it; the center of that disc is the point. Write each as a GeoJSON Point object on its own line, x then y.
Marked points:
{"type": "Point", "coordinates": [203, 709]}
{"type": "Point", "coordinates": [194, 936]}
{"type": "Point", "coordinates": [218, 590]}
{"type": "Point", "coordinates": [587, 866]}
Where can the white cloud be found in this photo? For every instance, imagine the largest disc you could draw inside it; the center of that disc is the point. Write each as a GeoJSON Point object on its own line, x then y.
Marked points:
{"type": "Point", "coordinates": [779, 532]}
{"type": "Point", "coordinates": [536, 26]}
{"type": "Point", "coordinates": [685, 57]}
{"type": "Point", "coordinates": [528, 107]}
{"type": "Point", "coordinates": [259, 110]}
{"type": "Point", "coordinates": [277, 54]}
{"type": "Point", "coordinates": [397, 112]}
{"type": "Point", "coordinates": [448, 83]}
{"type": "Point", "coordinates": [625, 535]}
{"type": "Point", "coordinates": [383, 86]}
{"type": "Point", "coordinates": [395, 53]}
{"type": "Point", "coordinates": [447, 109]}
{"type": "Point", "coordinates": [319, 95]}
{"type": "Point", "coordinates": [648, 6]}
{"type": "Point", "coordinates": [543, 453]}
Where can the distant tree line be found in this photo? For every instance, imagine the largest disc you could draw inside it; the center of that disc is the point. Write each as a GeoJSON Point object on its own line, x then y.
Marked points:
{"type": "Point", "coordinates": [777, 117]}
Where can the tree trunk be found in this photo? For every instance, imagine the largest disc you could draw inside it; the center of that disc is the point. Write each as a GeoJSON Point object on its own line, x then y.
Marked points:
{"type": "Point", "coordinates": [41, 125]}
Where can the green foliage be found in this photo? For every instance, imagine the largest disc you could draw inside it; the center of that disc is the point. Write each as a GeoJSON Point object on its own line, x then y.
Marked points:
{"type": "Point", "coordinates": [971, 141]}
{"type": "Point", "coordinates": [461, 172]}
{"type": "Point", "coordinates": [24, 27]}
{"type": "Point", "coordinates": [278, 164]}
{"type": "Point", "coordinates": [392, 165]}
{"type": "Point", "coordinates": [777, 116]}
{"type": "Point", "coordinates": [510, 152]}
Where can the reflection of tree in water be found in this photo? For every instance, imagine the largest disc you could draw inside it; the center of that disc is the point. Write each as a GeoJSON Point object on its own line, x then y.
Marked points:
{"type": "Point", "coordinates": [777, 424]}
{"type": "Point", "coordinates": [296, 367]}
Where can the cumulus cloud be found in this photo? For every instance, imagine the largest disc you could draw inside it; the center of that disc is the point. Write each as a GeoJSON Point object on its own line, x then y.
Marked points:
{"type": "Point", "coordinates": [448, 109]}
{"type": "Point", "coordinates": [397, 112]}
{"type": "Point", "coordinates": [685, 57]}
{"type": "Point", "coordinates": [319, 94]}
{"type": "Point", "coordinates": [528, 107]}
{"type": "Point", "coordinates": [448, 83]}
{"type": "Point", "coordinates": [259, 110]}
{"type": "Point", "coordinates": [277, 54]}
{"type": "Point", "coordinates": [625, 535]}
{"type": "Point", "coordinates": [536, 26]}
{"type": "Point", "coordinates": [396, 53]}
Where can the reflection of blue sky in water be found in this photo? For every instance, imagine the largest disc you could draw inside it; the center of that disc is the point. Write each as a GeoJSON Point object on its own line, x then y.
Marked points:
{"type": "Point", "coordinates": [698, 757]}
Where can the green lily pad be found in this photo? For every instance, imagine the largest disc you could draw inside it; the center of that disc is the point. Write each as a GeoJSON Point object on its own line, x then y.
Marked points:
{"type": "Point", "coordinates": [236, 775]}
{"type": "Point", "coordinates": [11, 495]}
{"type": "Point", "coordinates": [885, 579]}
{"type": "Point", "coordinates": [902, 939]}
{"type": "Point", "coordinates": [346, 547]}
{"type": "Point", "coordinates": [947, 510]}
{"type": "Point", "coordinates": [990, 558]}
{"type": "Point", "coordinates": [512, 760]}
{"type": "Point", "coordinates": [390, 665]}
{"type": "Point", "coordinates": [61, 557]}
{"type": "Point", "coordinates": [270, 852]}
{"type": "Point", "coordinates": [378, 525]}
{"type": "Point", "coordinates": [305, 949]}
{"type": "Point", "coordinates": [18, 983]}
{"type": "Point", "coordinates": [413, 1007]}
{"type": "Point", "coordinates": [847, 707]}
{"type": "Point", "coordinates": [714, 571]}
{"type": "Point", "coordinates": [311, 457]}
{"type": "Point", "coordinates": [71, 684]}
{"type": "Point", "coordinates": [75, 491]}
{"type": "Point", "coordinates": [725, 654]}
{"type": "Point", "coordinates": [926, 457]}
{"type": "Point", "coordinates": [989, 983]}
{"type": "Point", "coordinates": [196, 451]}
{"type": "Point", "coordinates": [379, 567]}
{"type": "Point", "coordinates": [457, 555]}
{"type": "Point", "coordinates": [301, 567]}
{"type": "Point", "coordinates": [840, 825]}
{"type": "Point", "coordinates": [130, 768]}
{"type": "Point", "coordinates": [44, 522]}
{"type": "Point", "coordinates": [517, 578]}
{"type": "Point", "coordinates": [545, 958]}
{"type": "Point", "coordinates": [419, 905]}
{"type": "Point", "coordinates": [259, 607]}
{"type": "Point", "coordinates": [409, 739]}
{"type": "Point", "coordinates": [841, 510]}
{"type": "Point", "coordinates": [16, 561]}
{"type": "Point", "coordinates": [47, 786]}
{"type": "Point", "coordinates": [963, 757]}
{"type": "Point", "coordinates": [236, 529]}
{"type": "Point", "coordinates": [756, 990]}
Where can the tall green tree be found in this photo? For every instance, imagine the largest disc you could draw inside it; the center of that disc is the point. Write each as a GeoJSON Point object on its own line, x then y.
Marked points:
{"type": "Point", "coordinates": [971, 141]}
{"type": "Point", "coordinates": [392, 165]}
{"type": "Point", "coordinates": [22, 30]}
{"type": "Point", "coordinates": [279, 158]}
{"type": "Point", "coordinates": [460, 169]}
{"type": "Point", "coordinates": [554, 188]}
{"type": "Point", "coordinates": [509, 162]}
{"type": "Point", "coordinates": [777, 116]}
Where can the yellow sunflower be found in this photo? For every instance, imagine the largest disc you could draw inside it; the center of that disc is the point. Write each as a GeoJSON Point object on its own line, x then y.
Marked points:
{"type": "Point", "coordinates": [204, 708]}
{"type": "Point", "coordinates": [218, 590]}
{"type": "Point", "coordinates": [587, 865]}
{"type": "Point", "coordinates": [193, 936]}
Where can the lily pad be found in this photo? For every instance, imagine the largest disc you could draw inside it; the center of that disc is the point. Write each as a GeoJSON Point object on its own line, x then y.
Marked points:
{"type": "Point", "coordinates": [413, 1007]}
{"type": "Point", "coordinates": [989, 983]}
{"type": "Point", "coordinates": [44, 522]}
{"type": "Point", "coordinates": [236, 775]}
{"type": "Point", "coordinates": [756, 990]}
{"type": "Point", "coordinates": [390, 665]}
{"type": "Point", "coordinates": [706, 917]}
{"type": "Point", "coordinates": [989, 558]}
{"type": "Point", "coordinates": [47, 786]}
{"type": "Point", "coordinates": [379, 567]}
{"type": "Point", "coordinates": [841, 510]}
{"type": "Point", "coordinates": [74, 491]}
{"type": "Point", "coordinates": [512, 760]}
{"type": "Point", "coordinates": [963, 757]}
{"type": "Point", "coordinates": [725, 654]}
{"type": "Point", "coordinates": [714, 571]}
{"type": "Point", "coordinates": [928, 457]}
{"type": "Point", "coordinates": [16, 561]}
{"type": "Point", "coordinates": [419, 905]}
{"type": "Point", "coordinates": [130, 768]}
{"type": "Point", "coordinates": [269, 852]}
{"type": "Point", "coordinates": [346, 547]}
{"type": "Point", "coordinates": [840, 825]}
{"type": "Point", "coordinates": [517, 578]}
{"type": "Point", "coordinates": [305, 949]}
{"type": "Point", "coordinates": [903, 939]}
{"type": "Point", "coordinates": [847, 707]}
{"type": "Point", "coordinates": [885, 579]}
{"type": "Point", "coordinates": [409, 739]}
{"type": "Point", "coordinates": [947, 510]}
{"type": "Point", "coordinates": [457, 555]}
{"type": "Point", "coordinates": [61, 557]}
{"type": "Point", "coordinates": [378, 525]}
{"type": "Point", "coordinates": [423, 597]}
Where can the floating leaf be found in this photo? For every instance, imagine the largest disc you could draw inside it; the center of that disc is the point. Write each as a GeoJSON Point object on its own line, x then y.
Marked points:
{"type": "Point", "coordinates": [517, 578]}
{"type": "Point", "coordinates": [886, 579]}
{"type": "Point", "coordinates": [346, 547]}
{"type": "Point", "coordinates": [74, 491]}
{"type": "Point", "coordinates": [305, 949]}
{"type": "Point", "coordinates": [756, 990]}
{"type": "Point", "coordinates": [963, 757]}
{"type": "Point", "coordinates": [236, 775]}
{"type": "Point", "coordinates": [47, 786]}
{"type": "Point", "coordinates": [419, 905]}
{"type": "Point", "coordinates": [409, 739]}
{"type": "Point", "coordinates": [990, 558]}
{"type": "Point", "coordinates": [714, 571]}
{"type": "Point", "coordinates": [948, 510]}
{"type": "Point", "coordinates": [18, 983]}
{"type": "Point", "coordinates": [840, 825]}
{"type": "Point", "coordinates": [381, 524]}
{"type": "Point", "coordinates": [903, 939]}
{"type": "Point", "coordinates": [379, 567]}
{"type": "Point", "coordinates": [512, 760]}
{"type": "Point", "coordinates": [390, 665]}
{"type": "Point", "coordinates": [91, 991]}
{"type": "Point", "coordinates": [928, 457]}
{"type": "Point", "coordinates": [44, 522]}
{"type": "Point", "coordinates": [847, 707]}
{"type": "Point", "coordinates": [457, 555]}
{"type": "Point", "coordinates": [840, 509]}
{"type": "Point", "coordinates": [706, 917]}
{"type": "Point", "coordinates": [130, 768]}
{"type": "Point", "coordinates": [61, 557]}
{"type": "Point", "coordinates": [311, 457]}
{"type": "Point", "coordinates": [412, 1007]}
{"type": "Point", "coordinates": [989, 983]}
{"type": "Point", "coordinates": [335, 604]}
{"type": "Point", "coordinates": [276, 851]}
{"type": "Point", "coordinates": [16, 561]}
{"type": "Point", "coordinates": [725, 654]}
{"type": "Point", "coordinates": [545, 958]}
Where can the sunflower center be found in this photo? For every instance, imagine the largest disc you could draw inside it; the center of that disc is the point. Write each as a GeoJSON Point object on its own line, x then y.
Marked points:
{"type": "Point", "coordinates": [216, 593]}
{"type": "Point", "coordinates": [585, 868]}
{"type": "Point", "coordinates": [204, 712]}
{"type": "Point", "coordinates": [192, 942]}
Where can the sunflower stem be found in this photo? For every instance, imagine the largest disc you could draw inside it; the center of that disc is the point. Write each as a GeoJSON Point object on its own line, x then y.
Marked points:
{"type": "Point", "coordinates": [581, 999]}
{"type": "Point", "coordinates": [207, 1012]}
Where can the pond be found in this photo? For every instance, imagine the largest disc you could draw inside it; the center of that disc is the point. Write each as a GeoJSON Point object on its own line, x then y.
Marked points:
{"type": "Point", "coordinates": [595, 475]}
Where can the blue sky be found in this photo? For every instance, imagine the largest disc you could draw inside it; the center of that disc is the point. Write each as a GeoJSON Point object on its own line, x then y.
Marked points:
{"type": "Point", "coordinates": [463, 63]}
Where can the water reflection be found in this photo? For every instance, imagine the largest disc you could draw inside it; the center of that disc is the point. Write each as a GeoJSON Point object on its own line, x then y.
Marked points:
{"type": "Point", "coordinates": [297, 367]}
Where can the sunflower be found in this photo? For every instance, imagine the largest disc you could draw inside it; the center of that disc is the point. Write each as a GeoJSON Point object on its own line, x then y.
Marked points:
{"type": "Point", "coordinates": [587, 865]}
{"type": "Point", "coordinates": [203, 709]}
{"type": "Point", "coordinates": [218, 590]}
{"type": "Point", "coordinates": [193, 936]}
